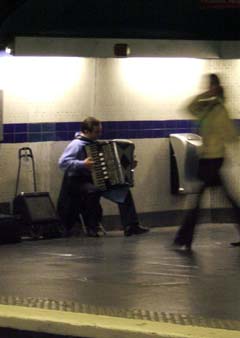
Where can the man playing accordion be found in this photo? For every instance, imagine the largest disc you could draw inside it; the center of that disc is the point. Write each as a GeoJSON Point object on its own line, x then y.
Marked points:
{"type": "Point", "coordinates": [78, 193]}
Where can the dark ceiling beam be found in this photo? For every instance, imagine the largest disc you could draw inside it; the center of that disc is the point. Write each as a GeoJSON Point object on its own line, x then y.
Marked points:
{"type": "Point", "coordinates": [7, 7]}
{"type": "Point", "coordinates": [147, 19]}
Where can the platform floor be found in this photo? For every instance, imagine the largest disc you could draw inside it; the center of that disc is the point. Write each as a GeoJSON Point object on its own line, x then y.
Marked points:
{"type": "Point", "coordinates": [135, 277]}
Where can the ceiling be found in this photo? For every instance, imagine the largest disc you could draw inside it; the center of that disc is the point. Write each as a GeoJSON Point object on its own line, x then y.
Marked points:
{"type": "Point", "coordinates": [138, 19]}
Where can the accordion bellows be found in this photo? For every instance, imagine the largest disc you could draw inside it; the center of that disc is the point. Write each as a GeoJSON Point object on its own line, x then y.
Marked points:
{"type": "Point", "coordinates": [113, 163]}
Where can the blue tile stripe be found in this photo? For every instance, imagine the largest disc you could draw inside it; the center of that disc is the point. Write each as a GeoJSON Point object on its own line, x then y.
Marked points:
{"type": "Point", "coordinates": [64, 131]}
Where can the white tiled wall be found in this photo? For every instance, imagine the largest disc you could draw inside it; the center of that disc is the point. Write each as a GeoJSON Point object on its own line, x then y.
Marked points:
{"type": "Point", "coordinates": [69, 89]}
{"type": "Point", "coordinates": [145, 89]}
{"type": "Point", "coordinates": [47, 89]}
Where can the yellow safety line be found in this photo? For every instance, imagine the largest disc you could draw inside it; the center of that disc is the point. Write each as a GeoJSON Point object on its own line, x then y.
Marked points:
{"type": "Point", "coordinates": [98, 326]}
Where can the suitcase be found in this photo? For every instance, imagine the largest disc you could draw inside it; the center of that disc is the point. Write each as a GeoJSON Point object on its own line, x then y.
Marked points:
{"type": "Point", "coordinates": [10, 231]}
{"type": "Point", "coordinates": [35, 210]}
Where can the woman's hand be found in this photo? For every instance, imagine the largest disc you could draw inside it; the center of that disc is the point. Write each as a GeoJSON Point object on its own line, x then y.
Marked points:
{"type": "Point", "coordinates": [135, 163]}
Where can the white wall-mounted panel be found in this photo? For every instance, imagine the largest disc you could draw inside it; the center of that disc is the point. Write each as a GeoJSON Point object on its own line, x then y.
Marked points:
{"type": "Point", "coordinates": [1, 114]}
{"type": "Point", "coordinates": [90, 47]}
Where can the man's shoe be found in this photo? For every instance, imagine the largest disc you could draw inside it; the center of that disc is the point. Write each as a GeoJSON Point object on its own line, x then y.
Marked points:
{"type": "Point", "coordinates": [128, 231]}
{"type": "Point", "coordinates": [182, 247]}
{"type": "Point", "coordinates": [139, 229]}
{"type": "Point", "coordinates": [235, 244]}
{"type": "Point", "coordinates": [135, 230]}
{"type": "Point", "coordinates": [92, 233]}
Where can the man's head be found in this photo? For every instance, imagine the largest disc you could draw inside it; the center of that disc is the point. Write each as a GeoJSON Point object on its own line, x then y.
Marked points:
{"type": "Point", "coordinates": [91, 128]}
{"type": "Point", "coordinates": [215, 85]}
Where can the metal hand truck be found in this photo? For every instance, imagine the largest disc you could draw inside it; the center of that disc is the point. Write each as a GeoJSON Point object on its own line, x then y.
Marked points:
{"type": "Point", "coordinates": [35, 209]}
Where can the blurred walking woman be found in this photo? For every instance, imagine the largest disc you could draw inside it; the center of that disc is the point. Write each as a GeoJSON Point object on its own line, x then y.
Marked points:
{"type": "Point", "coordinates": [216, 129]}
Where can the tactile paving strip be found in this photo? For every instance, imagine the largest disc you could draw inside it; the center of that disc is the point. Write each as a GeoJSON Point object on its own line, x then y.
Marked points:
{"type": "Point", "coordinates": [174, 318]}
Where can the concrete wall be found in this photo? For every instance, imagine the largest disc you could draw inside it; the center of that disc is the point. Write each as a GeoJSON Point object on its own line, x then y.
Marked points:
{"type": "Point", "coordinates": [48, 92]}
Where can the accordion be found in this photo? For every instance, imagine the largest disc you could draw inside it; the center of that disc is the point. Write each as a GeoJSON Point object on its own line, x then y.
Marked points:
{"type": "Point", "coordinates": [113, 163]}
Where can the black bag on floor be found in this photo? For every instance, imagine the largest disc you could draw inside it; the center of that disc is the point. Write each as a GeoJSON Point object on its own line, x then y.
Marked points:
{"type": "Point", "coordinates": [9, 229]}
{"type": "Point", "coordinates": [37, 214]}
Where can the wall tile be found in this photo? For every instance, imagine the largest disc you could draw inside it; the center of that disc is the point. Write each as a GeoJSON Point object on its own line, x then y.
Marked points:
{"type": "Point", "coordinates": [48, 136]}
{"type": "Point", "coordinates": [48, 127]}
{"type": "Point", "coordinates": [8, 138]}
{"type": "Point", "coordinates": [61, 126]}
{"type": "Point", "coordinates": [8, 128]}
{"type": "Point", "coordinates": [21, 137]}
{"type": "Point", "coordinates": [34, 127]}
{"type": "Point", "coordinates": [20, 127]}
{"type": "Point", "coordinates": [34, 137]}
{"type": "Point", "coordinates": [62, 136]}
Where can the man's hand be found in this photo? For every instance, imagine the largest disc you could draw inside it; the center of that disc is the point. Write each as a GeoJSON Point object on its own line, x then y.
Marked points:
{"type": "Point", "coordinates": [88, 162]}
{"type": "Point", "coordinates": [135, 163]}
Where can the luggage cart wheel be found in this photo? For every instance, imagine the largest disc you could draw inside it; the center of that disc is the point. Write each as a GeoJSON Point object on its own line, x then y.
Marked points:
{"type": "Point", "coordinates": [35, 231]}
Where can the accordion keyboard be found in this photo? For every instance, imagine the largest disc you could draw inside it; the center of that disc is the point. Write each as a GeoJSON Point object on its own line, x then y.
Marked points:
{"type": "Point", "coordinates": [107, 171]}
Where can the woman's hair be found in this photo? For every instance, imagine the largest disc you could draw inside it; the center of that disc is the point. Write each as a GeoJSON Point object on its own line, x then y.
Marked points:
{"type": "Point", "coordinates": [89, 123]}
{"type": "Point", "coordinates": [215, 81]}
